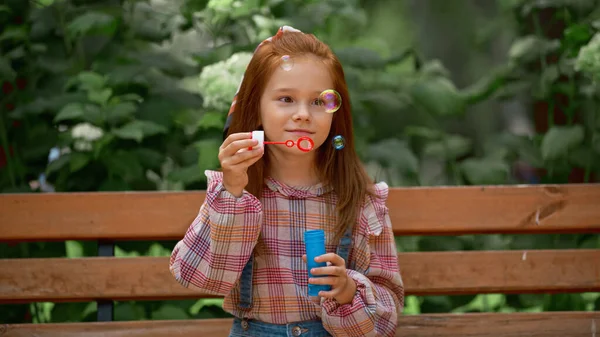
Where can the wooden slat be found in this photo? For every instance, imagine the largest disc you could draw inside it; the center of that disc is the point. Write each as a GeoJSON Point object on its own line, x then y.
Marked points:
{"type": "Point", "coordinates": [431, 273]}
{"type": "Point", "coordinates": [423, 210]}
{"type": "Point", "coordinates": [548, 324]}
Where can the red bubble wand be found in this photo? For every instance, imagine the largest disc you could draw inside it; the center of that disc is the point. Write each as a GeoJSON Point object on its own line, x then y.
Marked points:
{"type": "Point", "coordinates": [300, 143]}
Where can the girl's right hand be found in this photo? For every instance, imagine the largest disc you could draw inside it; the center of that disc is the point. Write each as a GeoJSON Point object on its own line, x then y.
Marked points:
{"type": "Point", "coordinates": [235, 158]}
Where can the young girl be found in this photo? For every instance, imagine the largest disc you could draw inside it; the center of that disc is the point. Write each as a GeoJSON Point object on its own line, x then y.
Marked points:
{"type": "Point", "coordinates": [247, 240]}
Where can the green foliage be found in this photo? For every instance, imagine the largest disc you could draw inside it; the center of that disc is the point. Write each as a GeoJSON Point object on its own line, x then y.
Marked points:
{"type": "Point", "coordinates": [133, 96]}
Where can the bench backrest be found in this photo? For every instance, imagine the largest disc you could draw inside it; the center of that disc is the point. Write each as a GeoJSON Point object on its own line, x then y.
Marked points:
{"type": "Point", "coordinates": [414, 211]}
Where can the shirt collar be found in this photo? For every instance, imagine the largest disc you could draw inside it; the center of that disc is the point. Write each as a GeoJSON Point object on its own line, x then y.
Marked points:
{"type": "Point", "coordinates": [297, 191]}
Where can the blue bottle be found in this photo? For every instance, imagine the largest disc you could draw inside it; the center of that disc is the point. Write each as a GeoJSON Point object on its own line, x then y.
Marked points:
{"type": "Point", "coordinates": [314, 241]}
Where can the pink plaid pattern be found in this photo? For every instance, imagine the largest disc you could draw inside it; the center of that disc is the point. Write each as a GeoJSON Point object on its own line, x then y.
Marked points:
{"type": "Point", "coordinates": [221, 239]}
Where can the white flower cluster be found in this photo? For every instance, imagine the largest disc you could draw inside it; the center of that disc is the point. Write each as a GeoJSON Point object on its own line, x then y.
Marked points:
{"type": "Point", "coordinates": [219, 81]}
{"type": "Point", "coordinates": [588, 59]}
{"type": "Point", "coordinates": [84, 134]}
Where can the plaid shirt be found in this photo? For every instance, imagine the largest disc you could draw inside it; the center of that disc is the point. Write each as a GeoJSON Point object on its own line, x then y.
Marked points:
{"type": "Point", "coordinates": [221, 239]}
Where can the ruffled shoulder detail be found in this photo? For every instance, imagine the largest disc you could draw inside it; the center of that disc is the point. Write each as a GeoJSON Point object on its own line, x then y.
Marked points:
{"type": "Point", "coordinates": [376, 210]}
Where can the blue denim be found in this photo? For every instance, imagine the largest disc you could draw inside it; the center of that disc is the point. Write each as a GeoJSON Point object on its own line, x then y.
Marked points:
{"type": "Point", "coordinates": [254, 328]}
{"type": "Point", "coordinates": [259, 329]}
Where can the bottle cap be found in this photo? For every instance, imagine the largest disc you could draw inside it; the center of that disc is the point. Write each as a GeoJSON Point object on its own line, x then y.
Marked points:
{"type": "Point", "coordinates": [260, 136]}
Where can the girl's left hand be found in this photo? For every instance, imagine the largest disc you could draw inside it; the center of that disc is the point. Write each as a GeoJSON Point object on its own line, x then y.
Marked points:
{"type": "Point", "coordinates": [343, 287]}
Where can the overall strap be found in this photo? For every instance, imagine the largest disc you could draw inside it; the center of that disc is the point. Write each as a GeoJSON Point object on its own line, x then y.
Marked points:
{"type": "Point", "coordinates": [246, 284]}
{"type": "Point", "coordinates": [345, 245]}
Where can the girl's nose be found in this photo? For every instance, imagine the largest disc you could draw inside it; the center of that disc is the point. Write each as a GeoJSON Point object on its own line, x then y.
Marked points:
{"type": "Point", "coordinates": [302, 113]}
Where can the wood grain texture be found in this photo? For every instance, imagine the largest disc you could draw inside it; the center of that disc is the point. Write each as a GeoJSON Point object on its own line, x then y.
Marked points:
{"type": "Point", "coordinates": [413, 211]}
{"type": "Point", "coordinates": [548, 324]}
{"type": "Point", "coordinates": [430, 273]}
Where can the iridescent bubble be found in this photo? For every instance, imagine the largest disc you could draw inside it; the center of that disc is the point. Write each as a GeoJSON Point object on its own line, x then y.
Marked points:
{"type": "Point", "coordinates": [330, 100]}
{"type": "Point", "coordinates": [287, 63]}
{"type": "Point", "coordinates": [338, 142]}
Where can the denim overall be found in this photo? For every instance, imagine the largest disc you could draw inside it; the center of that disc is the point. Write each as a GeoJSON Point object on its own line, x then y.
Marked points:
{"type": "Point", "coordinates": [253, 328]}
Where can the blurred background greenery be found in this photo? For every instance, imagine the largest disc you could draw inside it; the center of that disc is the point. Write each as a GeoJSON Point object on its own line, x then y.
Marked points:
{"type": "Point", "coordinates": [120, 95]}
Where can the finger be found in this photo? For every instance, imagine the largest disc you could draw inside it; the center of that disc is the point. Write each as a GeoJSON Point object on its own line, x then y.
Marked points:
{"type": "Point", "coordinates": [235, 147]}
{"type": "Point", "coordinates": [333, 270]}
{"type": "Point", "coordinates": [331, 257]}
{"type": "Point", "coordinates": [329, 280]}
{"type": "Point", "coordinates": [304, 258]}
{"type": "Point", "coordinates": [242, 159]}
{"type": "Point", "coordinates": [236, 136]}
{"type": "Point", "coordinates": [333, 293]}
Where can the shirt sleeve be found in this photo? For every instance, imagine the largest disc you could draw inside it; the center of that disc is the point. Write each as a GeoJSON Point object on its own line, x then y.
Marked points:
{"type": "Point", "coordinates": [220, 240]}
{"type": "Point", "coordinates": [379, 298]}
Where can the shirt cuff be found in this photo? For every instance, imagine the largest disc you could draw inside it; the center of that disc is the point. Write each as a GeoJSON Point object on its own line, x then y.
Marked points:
{"type": "Point", "coordinates": [363, 297]}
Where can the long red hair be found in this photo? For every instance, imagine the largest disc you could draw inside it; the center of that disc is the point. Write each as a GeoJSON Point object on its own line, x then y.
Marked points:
{"type": "Point", "coordinates": [340, 168]}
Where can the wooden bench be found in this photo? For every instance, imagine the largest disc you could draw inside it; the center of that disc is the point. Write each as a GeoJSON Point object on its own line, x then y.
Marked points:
{"type": "Point", "coordinates": [414, 211]}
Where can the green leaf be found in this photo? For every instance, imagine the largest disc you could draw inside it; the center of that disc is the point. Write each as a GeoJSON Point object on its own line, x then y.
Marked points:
{"type": "Point", "coordinates": [360, 57]}
{"type": "Point", "coordinates": [78, 160]}
{"type": "Point", "coordinates": [123, 164]}
{"type": "Point", "coordinates": [208, 154]}
{"type": "Point", "coordinates": [112, 185]}
{"type": "Point", "coordinates": [74, 249]}
{"type": "Point", "coordinates": [149, 158]}
{"type": "Point", "coordinates": [169, 312]}
{"type": "Point", "coordinates": [440, 243]}
{"type": "Point", "coordinates": [6, 70]}
{"type": "Point", "coordinates": [423, 131]}
{"type": "Point", "coordinates": [138, 130]}
{"type": "Point", "coordinates": [100, 96]}
{"type": "Point", "coordinates": [564, 302]}
{"type": "Point", "coordinates": [69, 111]}
{"type": "Point", "coordinates": [436, 304]}
{"type": "Point", "coordinates": [120, 112]}
{"type": "Point", "coordinates": [394, 153]}
{"type": "Point", "coordinates": [79, 111]}
{"type": "Point", "coordinates": [129, 311]}
{"type": "Point", "coordinates": [69, 312]}
{"type": "Point", "coordinates": [17, 33]}
{"type": "Point", "coordinates": [89, 80]}
{"type": "Point", "coordinates": [212, 120]}
{"type": "Point", "coordinates": [485, 171]}
{"type": "Point", "coordinates": [545, 84]}
{"type": "Point", "coordinates": [577, 33]}
{"type": "Point", "coordinates": [16, 53]}
{"type": "Point", "coordinates": [57, 164]}
{"type": "Point", "coordinates": [449, 148]}
{"type": "Point", "coordinates": [438, 96]}
{"type": "Point", "coordinates": [530, 48]}
{"type": "Point", "coordinates": [559, 140]}
{"type": "Point", "coordinates": [92, 23]}
{"type": "Point", "coordinates": [187, 175]}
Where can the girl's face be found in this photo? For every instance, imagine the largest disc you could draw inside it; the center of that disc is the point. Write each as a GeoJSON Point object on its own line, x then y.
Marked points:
{"type": "Point", "coordinates": [290, 107]}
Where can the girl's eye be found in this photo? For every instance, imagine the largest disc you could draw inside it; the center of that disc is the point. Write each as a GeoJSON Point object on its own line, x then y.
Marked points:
{"type": "Point", "coordinates": [317, 102]}
{"type": "Point", "coordinates": [286, 99]}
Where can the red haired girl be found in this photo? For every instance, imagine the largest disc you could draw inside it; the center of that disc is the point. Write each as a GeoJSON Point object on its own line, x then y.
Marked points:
{"type": "Point", "coordinates": [247, 240]}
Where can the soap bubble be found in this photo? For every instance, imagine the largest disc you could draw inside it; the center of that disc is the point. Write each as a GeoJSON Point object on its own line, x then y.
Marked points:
{"type": "Point", "coordinates": [287, 63]}
{"type": "Point", "coordinates": [338, 142]}
{"type": "Point", "coordinates": [330, 100]}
